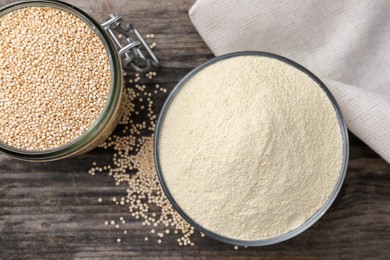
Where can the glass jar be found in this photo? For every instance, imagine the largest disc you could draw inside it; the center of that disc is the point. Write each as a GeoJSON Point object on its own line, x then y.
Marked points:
{"type": "Point", "coordinates": [105, 124]}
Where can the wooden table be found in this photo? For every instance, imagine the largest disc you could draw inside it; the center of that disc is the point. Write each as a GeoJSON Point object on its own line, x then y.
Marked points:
{"type": "Point", "coordinates": [51, 210]}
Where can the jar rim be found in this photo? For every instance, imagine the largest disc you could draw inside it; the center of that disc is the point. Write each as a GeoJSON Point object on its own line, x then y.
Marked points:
{"type": "Point", "coordinates": [112, 99]}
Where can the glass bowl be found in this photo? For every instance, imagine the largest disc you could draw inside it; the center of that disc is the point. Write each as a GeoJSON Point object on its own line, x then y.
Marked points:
{"type": "Point", "coordinates": [310, 221]}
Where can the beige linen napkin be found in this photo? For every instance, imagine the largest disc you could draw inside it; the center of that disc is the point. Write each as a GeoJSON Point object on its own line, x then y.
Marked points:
{"type": "Point", "coordinates": [346, 43]}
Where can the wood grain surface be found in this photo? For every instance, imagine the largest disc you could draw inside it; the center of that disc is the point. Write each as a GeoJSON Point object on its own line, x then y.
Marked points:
{"type": "Point", "coordinates": [51, 210]}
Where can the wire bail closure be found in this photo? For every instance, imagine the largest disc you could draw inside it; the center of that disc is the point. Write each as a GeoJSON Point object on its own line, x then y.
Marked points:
{"type": "Point", "coordinates": [131, 51]}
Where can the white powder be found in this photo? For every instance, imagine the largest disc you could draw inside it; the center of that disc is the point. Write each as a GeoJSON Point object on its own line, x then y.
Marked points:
{"type": "Point", "coordinates": [251, 147]}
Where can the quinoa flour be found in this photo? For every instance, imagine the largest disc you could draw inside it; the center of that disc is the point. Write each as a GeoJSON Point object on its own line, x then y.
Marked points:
{"type": "Point", "coordinates": [251, 147]}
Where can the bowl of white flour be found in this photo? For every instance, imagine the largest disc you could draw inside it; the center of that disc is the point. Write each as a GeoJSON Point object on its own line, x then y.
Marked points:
{"type": "Point", "coordinates": [251, 148]}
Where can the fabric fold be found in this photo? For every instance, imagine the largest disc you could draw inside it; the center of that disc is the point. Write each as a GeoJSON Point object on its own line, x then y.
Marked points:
{"type": "Point", "coordinates": [345, 43]}
{"type": "Point", "coordinates": [366, 113]}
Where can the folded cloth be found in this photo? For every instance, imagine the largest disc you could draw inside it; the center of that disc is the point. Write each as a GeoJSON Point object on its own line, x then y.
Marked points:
{"type": "Point", "coordinates": [346, 43]}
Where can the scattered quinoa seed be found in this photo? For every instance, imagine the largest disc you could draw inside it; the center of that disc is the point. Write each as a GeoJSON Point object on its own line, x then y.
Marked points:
{"type": "Point", "coordinates": [153, 45]}
{"type": "Point", "coordinates": [132, 163]}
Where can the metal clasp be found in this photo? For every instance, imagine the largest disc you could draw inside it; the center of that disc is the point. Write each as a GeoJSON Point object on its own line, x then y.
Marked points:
{"type": "Point", "coordinates": [130, 51]}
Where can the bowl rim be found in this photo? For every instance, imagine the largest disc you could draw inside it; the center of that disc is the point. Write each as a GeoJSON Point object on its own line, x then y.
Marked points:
{"type": "Point", "coordinates": [310, 221]}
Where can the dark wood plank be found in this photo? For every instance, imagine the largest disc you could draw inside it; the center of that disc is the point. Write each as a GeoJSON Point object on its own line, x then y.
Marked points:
{"type": "Point", "coordinates": [50, 210]}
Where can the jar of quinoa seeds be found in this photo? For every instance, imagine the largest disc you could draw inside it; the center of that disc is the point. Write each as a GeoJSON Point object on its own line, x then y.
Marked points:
{"type": "Point", "coordinates": [61, 78]}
